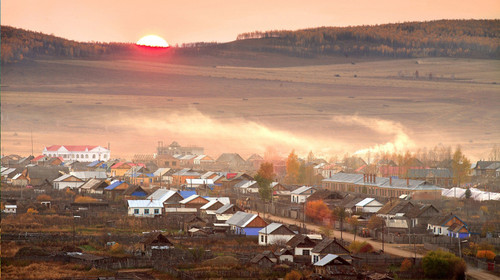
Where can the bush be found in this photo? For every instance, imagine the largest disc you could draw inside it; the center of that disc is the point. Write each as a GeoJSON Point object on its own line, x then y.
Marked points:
{"type": "Point", "coordinates": [84, 199]}
{"type": "Point", "coordinates": [406, 265]}
{"type": "Point", "coordinates": [367, 248]}
{"type": "Point", "coordinates": [43, 197]}
{"type": "Point", "coordinates": [443, 265]}
{"type": "Point", "coordinates": [360, 247]}
{"type": "Point", "coordinates": [32, 211]}
{"type": "Point", "coordinates": [117, 249]}
{"type": "Point", "coordinates": [293, 275]}
{"type": "Point", "coordinates": [485, 254]}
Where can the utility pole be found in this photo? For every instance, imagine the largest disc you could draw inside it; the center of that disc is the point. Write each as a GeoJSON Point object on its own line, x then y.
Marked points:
{"type": "Point", "coordinates": [383, 237]}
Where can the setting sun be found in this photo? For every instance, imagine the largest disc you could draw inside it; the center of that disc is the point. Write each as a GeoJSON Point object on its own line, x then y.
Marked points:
{"type": "Point", "coordinates": [152, 41]}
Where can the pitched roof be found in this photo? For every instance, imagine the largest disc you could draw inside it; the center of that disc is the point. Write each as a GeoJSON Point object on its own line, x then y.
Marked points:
{"type": "Point", "coordinates": [366, 201]}
{"type": "Point", "coordinates": [144, 203]}
{"type": "Point", "coordinates": [161, 195]}
{"type": "Point", "coordinates": [151, 237]}
{"type": "Point", "coordinates": [224, 209]}
{"type": "Point", "coordinates": [441, 220]}
{"type": "Point", "coordinates": [301, 190]}
{"type": "Point", "coordinates": [71, 148]}
{"type": "Point", "coordinates": [66, 176]}
{"type": "Point", "coordinates": [269, 229]}
{"type": "Point", "coordinates": [186, 194]}
{"type": "Point", "coordinates": [92, 184]}
{"type": "Point", "coordinates": [330, 258]}
{"type": "Point", "coordinates": [187, 200]}
{"type": "Point", "coordinates": [241, 219]}
{"type": "Point", "coordinates": [435, 172]}
{"type": "Point", "coordinates": [415, 212]}
{"type": "Point", "coordinates": [210, 204]}
{"type": "Point", "coordinates": [300, 239]}
{"type": "Point", "coordinates": [114, 185]}
{"type": "Point", "coordinates": [327, 242]}
{"type": "Point", "coordinates": [392, 208]}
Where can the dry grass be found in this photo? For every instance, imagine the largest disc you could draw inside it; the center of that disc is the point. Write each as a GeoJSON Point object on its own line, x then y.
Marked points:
{"type": "Point", "coordinates": [42, 270]}
{"type": "Point", "coordinates": [135, 104]}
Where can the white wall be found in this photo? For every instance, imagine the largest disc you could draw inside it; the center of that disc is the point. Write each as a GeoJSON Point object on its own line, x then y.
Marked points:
{"type": "Point", "coordinates": [131, 211]}
{"type": "Point", "coordinates": [300, 251]}
{"type": "Point", "coordinates": [63, 185]}
{"type": "Point", "coordinates": [273, 238]}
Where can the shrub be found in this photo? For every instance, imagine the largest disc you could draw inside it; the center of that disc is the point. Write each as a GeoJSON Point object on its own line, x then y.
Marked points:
{"type": "Point", "coordinates": [84, 199]}
{"type": "Point", "coordinates": [443, 265]}
{"type": "Point", "coordinates": [43, 197]}
{"type": "Point", "coordinates": [293, 275]}
{"type": "Point", "coordinates": [32, 211]}
{"type": "Point", "coordinates": [406, 265]}
{"type": "Point", "coordinates": [117, 249]}
{"type": "Point", "coordinates": [366, 248]}
{"type": "Point", "coordinates": [485, 254]}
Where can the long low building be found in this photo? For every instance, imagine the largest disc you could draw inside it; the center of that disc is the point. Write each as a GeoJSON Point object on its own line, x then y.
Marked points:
{"type": "Point", "coordinates": [381, 186]}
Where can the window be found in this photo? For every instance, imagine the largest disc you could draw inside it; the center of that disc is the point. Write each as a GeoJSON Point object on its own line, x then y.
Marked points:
{"type": "Point", "coordinates": [146, 211]}
{"type": "Point", "coordinates": [105, 156]}
{"type": "Point", "coordinates": [265, 239]}
{"type": "Point", "coordinates": [136, 211]}
{"type": "Point", "coordinates": [306, 252]}
{"type": "Point", "coordinates": [174, 163]}
{"type": "Point", "coordinates": [262, 238]}
{"type": "Point", "coordinates": [93, 156]}
{"type": "Point", "coordinates": [167, 163]}
{"type": "Point", "coordinates": [157, 211]}
{"type": "Point", "coordinates": [77, 156]}
{"type": "Point", "coordinates": [87, 156]}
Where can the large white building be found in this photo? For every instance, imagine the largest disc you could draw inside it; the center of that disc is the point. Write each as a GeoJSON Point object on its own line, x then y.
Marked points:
{"type": "Point", "coordinates": [83, 153]}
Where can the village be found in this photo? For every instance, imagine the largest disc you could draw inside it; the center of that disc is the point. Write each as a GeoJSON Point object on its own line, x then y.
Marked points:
{"type": "Point", "coordinates": [178, 213]}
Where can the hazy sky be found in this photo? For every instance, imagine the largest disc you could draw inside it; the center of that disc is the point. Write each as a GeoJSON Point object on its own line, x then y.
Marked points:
{"type": "Point", "coordinates": [182, 21]}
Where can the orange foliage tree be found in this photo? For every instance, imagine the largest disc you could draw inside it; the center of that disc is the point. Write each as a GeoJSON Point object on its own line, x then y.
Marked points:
{"type": "Point", "coordinates": [318, 210]}
{"type": "Point", "coordinates": [485, 254]}
{"type": "Point", "coordinates": [43, 197]}
{"type": "Point", "coordinates": [292, 168]}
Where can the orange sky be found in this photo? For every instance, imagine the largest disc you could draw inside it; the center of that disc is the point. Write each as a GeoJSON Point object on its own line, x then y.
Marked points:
{"type": "Point", "coordinates": [216, 20]}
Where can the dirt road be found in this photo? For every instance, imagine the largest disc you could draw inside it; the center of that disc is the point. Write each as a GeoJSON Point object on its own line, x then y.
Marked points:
{"type": "Point", "coordinates": [392, 249]}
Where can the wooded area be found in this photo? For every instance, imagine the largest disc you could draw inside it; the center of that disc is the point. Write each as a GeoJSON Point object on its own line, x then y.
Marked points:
{"type": "Point", "coordinates": [444, 38]}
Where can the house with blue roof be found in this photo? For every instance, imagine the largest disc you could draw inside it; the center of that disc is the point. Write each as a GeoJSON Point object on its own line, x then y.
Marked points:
{"type": "Point", "coordinates": [248, 224]}
{"type": "Point", "coordinates": [448, 225]}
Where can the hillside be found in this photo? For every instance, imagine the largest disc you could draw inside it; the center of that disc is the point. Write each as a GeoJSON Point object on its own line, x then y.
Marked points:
{"type": "Point", "coordinates": [444, 38]}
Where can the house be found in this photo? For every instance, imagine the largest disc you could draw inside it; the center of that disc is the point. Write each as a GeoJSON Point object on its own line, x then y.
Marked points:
{"type": "Point", "coordinates": [155, 243]}
{"type": "Point", "coordinates": [39, 175]}
{"type": "Point", "coordinates": [329, 246]}
{"type": "Point", "coordinates": [225, 212]}
{"type": "Point", "coordinates": [83, 153]}
{"type": "Point", "coordinates": [438, 176]}
{"type": "Point", "coordinates": [167, 161]}
{"type": "Point", "coordinates": [94, 186]}
{"type": "Point", "coordinates": [301, 194]}
{"type": "Point", "coordinates": [275, 233]}
{"type": "Point", "coordinates": [193, 221]}
{"type": "Point", "coordinates": [119, 169]}
{"type": "Point", "coordinates": [202, 160]}
{"type": "Point", "coordinates": [10, 209]}
{"type": "Point", "coordinates": [231, 160]}
{"type": "Point", "coordinates": [486, 168]}
{"type": "Point", "coordinates": [420, 215]}
{"type": "Point", "coordinates": [67, 181]}
{"type": "Point", "coordinates": [334, 266]}
{"type": "Point", "coordinates": [247, 186]}
{"type": "Point", "coordinates": [246, 223]}
{"type": "Point", "coordinates": [19, 180]}
{"type": "Point", "coordinates": [279, 189]}
{"type": "Point", "coordinates": [395, 208]}
{"type": "Point", "coordinates": [167, 197]}
{"type": "Point", "coordinates": [144, 208]}
{"type": "Point", "coordinates": [176, 149]}
{"type": "Point", "coordinates": [368, 205]}
{"type": "Point", "coordinates": [179, 177]}
{"type": "Point", "coordinates": [302, 245]}
{"type": "Point", "coordinates": [262, 261]}
{"type": "Point", "coordinates": [448, 225]}
{"type": "Point", "coordinates": [115, 189]}
{"type": "Point", "coordinates": [284, 255]}
{"type": "Point", "coordinates": [194, 202]}
{"type": "Point", "coordinates": [349, 203]}
{"type": "Point", "coordinates": [134, 191]}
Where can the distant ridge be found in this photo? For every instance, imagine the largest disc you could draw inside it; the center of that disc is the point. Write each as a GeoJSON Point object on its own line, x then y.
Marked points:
{"type": "Point", "coordinates": [442, 38]}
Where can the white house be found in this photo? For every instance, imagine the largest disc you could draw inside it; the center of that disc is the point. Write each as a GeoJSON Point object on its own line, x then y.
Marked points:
{"type": "Point", "coordinates": [368, 205]}
{"type": "Point", "coordinates": [11, 209]}
{"type": "Point", "coordinates": [86, 175]}
{"type": "Point", "coordinates": [83, 153]}
{"type": "Point", "coordinates": [144, 208]}
{"type": "Point", "coordinates": [301, 194]}
{"type": "Point", "coordinates": [67, 181]}
{"type": "Point", "coordinates": [275, 233]}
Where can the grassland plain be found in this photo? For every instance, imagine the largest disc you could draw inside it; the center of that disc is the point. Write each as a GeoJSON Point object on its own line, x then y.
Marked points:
{"type": "Point", "coordinates": [330, 109]}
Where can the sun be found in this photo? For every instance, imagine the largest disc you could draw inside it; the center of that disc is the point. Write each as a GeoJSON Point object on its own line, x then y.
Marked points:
{"type": "Point", "coordinates": [153, 41]}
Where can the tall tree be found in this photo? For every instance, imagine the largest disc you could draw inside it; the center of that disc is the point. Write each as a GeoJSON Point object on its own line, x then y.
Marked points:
{"type": "Point", "coordinates": [264, 178]}
{"type": "Point", "coordinates": [353, 221]}
{"type": "Point", "coordinates": [460, 166]}
{"type": "Point", "coordinates": [339, 214]}
{"type": "Point", "coordinates": [310, 157]}
{"type": "Point", "coordinates": [292, 168]}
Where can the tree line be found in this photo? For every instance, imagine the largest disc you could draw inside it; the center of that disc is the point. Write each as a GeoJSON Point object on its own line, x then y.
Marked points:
{"type": "Point", "coordinates": [443, 38]}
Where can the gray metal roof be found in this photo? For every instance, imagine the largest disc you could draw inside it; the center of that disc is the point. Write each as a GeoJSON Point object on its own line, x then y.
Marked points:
{"type": "Point", "coordinates": [161, 195]}
{"type": "Point", "coordinates": [223, 208]}
{"type": "Point", "coordinates": [270, 228]}
{"type": "Point", "coordinates": [301, 190]}
{"type": "Point", "coordinates": [326, 260]}
{"type": "Point", "coordinates": [345, 177]}
{"type": "Point", "coordinates": [241, 219]}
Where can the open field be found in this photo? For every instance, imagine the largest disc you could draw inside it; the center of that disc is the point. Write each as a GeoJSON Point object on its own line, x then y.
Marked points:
{"type": "Point", "coordinates": [329, 109]}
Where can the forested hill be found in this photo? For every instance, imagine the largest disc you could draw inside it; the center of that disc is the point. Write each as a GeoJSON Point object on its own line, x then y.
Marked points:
{"type": "Point", "coordinates": [444, 38]}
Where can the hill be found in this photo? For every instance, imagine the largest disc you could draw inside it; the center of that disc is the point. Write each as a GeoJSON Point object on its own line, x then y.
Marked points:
{"type": "Point", "coordinates": [444, 38]}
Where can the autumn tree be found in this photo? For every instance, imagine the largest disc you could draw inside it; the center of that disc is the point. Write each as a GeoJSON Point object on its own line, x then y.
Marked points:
{"type": "Point", "coordinates": [375, 222]}
{"type": "Point", "coordinates": [339, 215]}
{"type": "Point", "coordinates": [443, 265]}
{"type": "Point", "coordinates": [460, 166]}
{"type": "Point", "coordinates": [354, 223]}
{"type": "Point", "coordinates": [318, 211]}
{"type": "Point", "coordinates": [264, 179]}
{"type": "Point", "coordinates": [43, 197]}
{"type": "Point", "coordinates": [292, 168]}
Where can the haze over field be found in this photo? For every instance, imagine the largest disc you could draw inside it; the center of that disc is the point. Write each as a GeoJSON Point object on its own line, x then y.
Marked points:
{"type": "Point", "coordinates": [329, 109]}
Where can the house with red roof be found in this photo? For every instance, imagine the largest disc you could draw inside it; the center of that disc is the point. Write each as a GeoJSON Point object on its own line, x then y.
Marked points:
{"type": "Point", "coordinates": [119, 169]}
{"type": "Point", "coordinates": [82, 153]}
